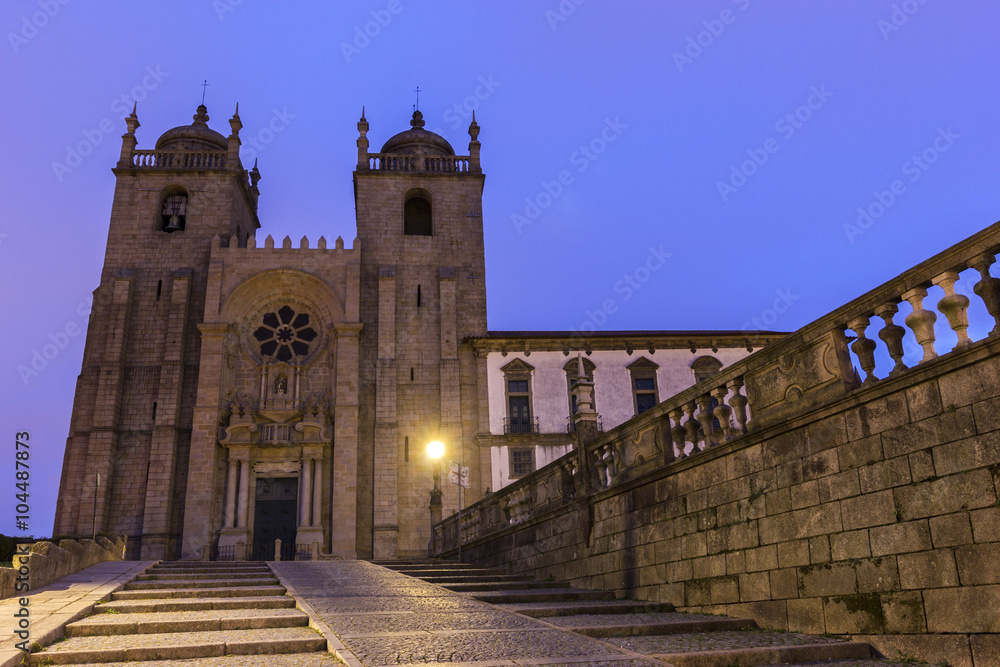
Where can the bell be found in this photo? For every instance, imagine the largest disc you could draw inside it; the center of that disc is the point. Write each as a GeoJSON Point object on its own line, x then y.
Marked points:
{"type": "Point", "coordinates": [174, 224]}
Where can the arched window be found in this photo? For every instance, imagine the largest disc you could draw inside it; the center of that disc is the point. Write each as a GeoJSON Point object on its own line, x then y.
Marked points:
{"type": "Point", "coordinates": [173, 209]}
{"type": "Point", "coordinates": [705, 367]}
{"type": "Point", "coordinates": [417, 219]}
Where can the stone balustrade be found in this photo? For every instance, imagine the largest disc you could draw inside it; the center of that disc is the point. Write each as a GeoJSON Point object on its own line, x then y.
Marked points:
{"type": "Point", "coordinates": [153, 159]}
{"type": "Point", "coordinates": [434, 164]}
{"type": "Point", "coordinates": [785, 381]}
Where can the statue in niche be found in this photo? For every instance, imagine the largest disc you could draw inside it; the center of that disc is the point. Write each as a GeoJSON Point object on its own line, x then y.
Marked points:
{"type": "Point", "coordinates": [281, 384]}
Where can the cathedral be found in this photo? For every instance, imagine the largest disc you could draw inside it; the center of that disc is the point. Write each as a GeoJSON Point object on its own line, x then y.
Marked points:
{"type": "Point", "coordinates": [237, 392]}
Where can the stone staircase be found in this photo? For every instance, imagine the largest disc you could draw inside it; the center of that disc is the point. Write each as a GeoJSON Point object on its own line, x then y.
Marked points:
{"type": "Point", "coordinates": [220, 614]}
{"type": "Point", "coordinates": [648, 630]}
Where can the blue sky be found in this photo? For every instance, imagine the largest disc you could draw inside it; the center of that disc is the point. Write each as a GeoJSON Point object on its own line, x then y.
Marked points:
{"type": "Point", "coordinates": [745, 139]}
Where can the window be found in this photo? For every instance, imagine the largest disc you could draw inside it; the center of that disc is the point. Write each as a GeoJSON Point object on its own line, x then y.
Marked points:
{"type": "Point", "coordinates": [572, 373]}
{"type": "Point", "coordinates": [517, 387]}
{"type": "Point", "coordinates": [284, 334]}
{"type": "Point", "coordinates": [522, 461]}
{"type": "Point", "coordinates": [173, 213]}
{"type": "Point", "coordinates": [644, 390]}
{"type": "Point", "coordinates": [417, 219]}
{"type": "Point", "coordinates": [705, 367]}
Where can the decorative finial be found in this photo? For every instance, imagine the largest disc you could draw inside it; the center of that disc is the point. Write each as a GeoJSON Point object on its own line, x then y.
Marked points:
{"type": "Point", "coordinates": [132, 121]}
{"type": "Point", "coordinates": [363, 113]}
{"type": "Point", "coordinates": [201, 117]}
{"type": "Point", "coordinates": [416, 107]}
{"type": "Point", "coordinates": [235, 123]}
{"type": "Point", "coordinates": [417, 120]}
{"type": "Point", "coordinates": [238, 111]}
{"type": "Point", "coordinates": [204, 89]}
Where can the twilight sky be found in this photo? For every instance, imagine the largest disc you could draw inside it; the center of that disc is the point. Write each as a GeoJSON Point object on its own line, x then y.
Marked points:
{"type": "Point", "coordinates": [743, 138]}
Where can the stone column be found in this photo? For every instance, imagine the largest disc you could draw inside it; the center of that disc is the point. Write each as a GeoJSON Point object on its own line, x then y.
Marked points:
{"type": "Point", "coordinates": [305, 497]}
{"type": "Point", "coordinates": [231, 495]}
{"type": "Point", "coordinates": [317, 492]}
{"type": "Point", "coordinates": [244, 501]}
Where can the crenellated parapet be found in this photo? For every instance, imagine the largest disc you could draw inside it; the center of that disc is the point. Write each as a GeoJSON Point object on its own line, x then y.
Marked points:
{"type": "Point", "coordinates": [338, 248]}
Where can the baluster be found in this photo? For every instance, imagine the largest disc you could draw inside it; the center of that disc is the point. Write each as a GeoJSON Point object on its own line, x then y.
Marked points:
{"type": "Point", "coordinates": [610, 462]}
{"type": "Point", "coordinates": [864, 348]}
{"type": "Point", "coordinates": [723, 412]}
{"type": "Point", "coordinates": [691, 425]}
{"type": "Point", "coordinates": [678, 432]}
{"type": "Point", "coordinates": [921, 322]}
{"type": "Point", "coordinates": [892, 334]}
{"type": "Point", "coordinates": [739, 403]}
{"type": "Point", "coordinates": [705, 419]}
{"type": "Point", "coordinates": [955, 307]}
{"type": "Point", "coordinates": [601, 468]}
{"type": "Point", "coordinates": [988, 288]}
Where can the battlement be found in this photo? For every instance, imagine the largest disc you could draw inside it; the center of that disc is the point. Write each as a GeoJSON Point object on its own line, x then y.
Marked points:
{"type": "Point", "coordinates": [286, 244]}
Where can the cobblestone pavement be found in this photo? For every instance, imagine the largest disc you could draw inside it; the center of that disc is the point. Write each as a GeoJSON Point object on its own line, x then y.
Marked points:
{"type": "Point", "coordinates": [405, 621]}
{"type": "Point", "coordinates": [378, 616]}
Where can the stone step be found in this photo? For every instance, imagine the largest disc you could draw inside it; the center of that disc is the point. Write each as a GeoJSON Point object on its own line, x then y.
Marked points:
{"type": "Point", "coordinates": [159, 583]}
{"type": "Point", "coordinates": [545, 595]}
{"type": "Point", "coordinates": [155, 575]}
{"type": "Point", "coordinates": [744, 648]}
{"type": "Point", "coordinates": [208, 570]}
{"type": "Point", "coordinates": [547, 609]}
{"type": "Point", "coordinates": [209, 567]}
{"type": "Point", "coordinates": [210, 564]}
{"type": "Point", "coordinates": [185, 621]}
{"type": "Point", "coordinates": [452, 572]}
{"type": "Point", "coordinates": [281, 660]}
{"type": "Point", "coordinates": [635, 625]}
{"type": "Point", "coordinates": [196, 604]}
{"type": "Point", "coordinates": [425, 565]}
{"type": "Point", "coordinates": [475, 578]}
{"type": "Point", "coordinates": [504, 586]}
{"type": "Point", "coordinates": [162, 646]}
{"type": "Point", "coordinates": [222, 592]}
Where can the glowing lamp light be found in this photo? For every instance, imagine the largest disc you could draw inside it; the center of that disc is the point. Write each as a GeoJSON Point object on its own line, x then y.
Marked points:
{"type": "Point", "coordinates": [435, 449]}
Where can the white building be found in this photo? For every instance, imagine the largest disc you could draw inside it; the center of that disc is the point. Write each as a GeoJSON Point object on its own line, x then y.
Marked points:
{"type": "Point", "coordinates": [529, 374]}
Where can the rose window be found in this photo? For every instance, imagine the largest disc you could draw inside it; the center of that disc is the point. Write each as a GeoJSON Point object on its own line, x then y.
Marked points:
{"type": "Point", "coordinates": [285, 334]}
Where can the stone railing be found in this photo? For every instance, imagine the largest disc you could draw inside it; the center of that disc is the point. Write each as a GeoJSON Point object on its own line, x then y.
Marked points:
{"type": "Point", "coordinates": [395, 162]}
{"type": "Point", "coordinates": [45, 561]}
{"type": "Point", "coordinates": [146, 159]}
{"type": "Point", "coordinates": [783, 383]}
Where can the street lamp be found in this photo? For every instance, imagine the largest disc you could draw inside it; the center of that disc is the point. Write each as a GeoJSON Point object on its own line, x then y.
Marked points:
{"type": "Point", "coordinates": [435, 450]}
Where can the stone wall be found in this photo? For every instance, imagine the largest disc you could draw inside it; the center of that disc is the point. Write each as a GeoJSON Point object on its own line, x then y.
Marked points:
{"type": "Point", "coordinates": [866, 509]}
{"type": "Point", "coordinates": [47, 562]}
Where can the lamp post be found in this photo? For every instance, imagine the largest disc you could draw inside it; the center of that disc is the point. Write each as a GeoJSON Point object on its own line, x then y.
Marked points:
{"type": "Point", "coordinates": [435, 450]}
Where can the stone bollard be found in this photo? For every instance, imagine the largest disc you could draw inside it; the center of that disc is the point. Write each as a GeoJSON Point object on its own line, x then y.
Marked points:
{"type": "Point", "coordinates": [277, 549]}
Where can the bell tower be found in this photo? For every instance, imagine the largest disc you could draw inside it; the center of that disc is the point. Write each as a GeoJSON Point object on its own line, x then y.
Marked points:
{"type": "Point", "coordinates": [126, 460]}
{"type": "Point", "coordinates": [423, 292]}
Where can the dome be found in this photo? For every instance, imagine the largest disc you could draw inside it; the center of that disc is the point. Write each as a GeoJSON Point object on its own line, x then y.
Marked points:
{"type": "Point", "coordinates": [197, 136]}
{"type": "Point", "coordinates": [418, 141]}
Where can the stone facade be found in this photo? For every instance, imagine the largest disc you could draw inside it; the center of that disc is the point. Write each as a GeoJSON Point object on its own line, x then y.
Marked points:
{"type": "Point", "coordinates": [235, 393]}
